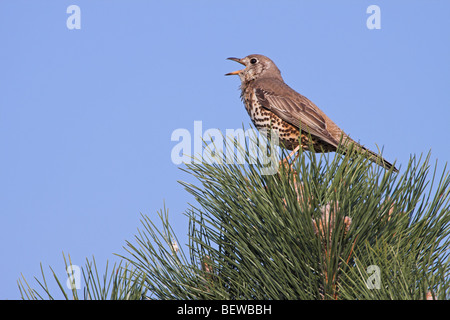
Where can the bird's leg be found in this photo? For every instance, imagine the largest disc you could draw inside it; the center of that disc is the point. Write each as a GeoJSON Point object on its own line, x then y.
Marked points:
{"type": "Point", "coordinates": [295, 151]}
{"type": "Point", "coordinates": [286, 160]}
{"type": "Point", "coordinates": [297, 187]}
{"type": "Point", "coordinates": [286, 164]}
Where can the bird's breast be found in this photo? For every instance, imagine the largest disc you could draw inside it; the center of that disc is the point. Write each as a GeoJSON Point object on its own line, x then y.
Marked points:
{"type": "Point", "coordinates": [264, 119]}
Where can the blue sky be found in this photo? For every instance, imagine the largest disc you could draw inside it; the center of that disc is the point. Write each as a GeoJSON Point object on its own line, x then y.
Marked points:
{"type": "Point", "coordinates": [86, 116]}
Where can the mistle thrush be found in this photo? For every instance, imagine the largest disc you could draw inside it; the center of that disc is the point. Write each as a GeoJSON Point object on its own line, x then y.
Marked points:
{"type": "Point", "coordinates": [271, 103]}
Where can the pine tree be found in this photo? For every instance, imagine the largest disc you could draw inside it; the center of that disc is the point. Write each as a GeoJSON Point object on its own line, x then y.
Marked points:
{"type": "Point", "coordinates": [329, 226]}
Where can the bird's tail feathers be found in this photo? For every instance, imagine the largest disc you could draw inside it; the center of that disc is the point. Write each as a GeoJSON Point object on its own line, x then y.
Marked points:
{"type": "Point", "coordinates": [372, 156]}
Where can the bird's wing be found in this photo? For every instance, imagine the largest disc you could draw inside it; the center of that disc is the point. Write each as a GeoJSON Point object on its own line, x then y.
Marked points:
{"type": "Point", "coordinates": [293, 108]}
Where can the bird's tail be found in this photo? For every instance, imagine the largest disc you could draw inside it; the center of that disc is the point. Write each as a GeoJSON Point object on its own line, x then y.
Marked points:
{"type": "Point", "coordinates": [372, 156]}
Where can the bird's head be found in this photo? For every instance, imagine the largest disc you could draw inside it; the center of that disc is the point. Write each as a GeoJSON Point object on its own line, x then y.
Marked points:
{"type": "Point", "coordinates": [256, 66]}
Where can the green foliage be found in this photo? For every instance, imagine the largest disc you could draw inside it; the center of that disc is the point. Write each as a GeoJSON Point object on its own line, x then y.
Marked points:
{"type": "Point", "coordinates": [311, 231]}
{"type": "Point", "coordinates": [120, 284]}
{"type": "Point", "coordinates": [261, 231]}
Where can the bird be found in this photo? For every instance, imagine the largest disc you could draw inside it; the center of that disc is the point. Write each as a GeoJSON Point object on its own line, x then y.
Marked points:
{"type": "Point", "coordinates": [298, 122]}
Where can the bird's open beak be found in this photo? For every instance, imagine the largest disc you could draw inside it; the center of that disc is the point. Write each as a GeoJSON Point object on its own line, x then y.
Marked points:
{"type": "Point", "coordinates": [235, 72]}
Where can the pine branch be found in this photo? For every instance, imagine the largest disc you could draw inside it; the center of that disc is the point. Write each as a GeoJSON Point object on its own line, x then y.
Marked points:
{"type": "Point", "coordinates": [328, 226]}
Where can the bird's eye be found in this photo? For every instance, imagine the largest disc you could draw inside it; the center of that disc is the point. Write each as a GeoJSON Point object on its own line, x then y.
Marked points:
{"type": "Point", "coordinates": [253, 61]}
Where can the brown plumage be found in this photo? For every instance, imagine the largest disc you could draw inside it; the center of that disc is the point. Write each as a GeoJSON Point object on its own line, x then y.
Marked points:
{"type": "Point", "coordinates": [272, 103]}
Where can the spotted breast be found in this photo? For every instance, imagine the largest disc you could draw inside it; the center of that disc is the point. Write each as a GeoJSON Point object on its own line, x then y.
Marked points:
{"type": "Point", "coordinates": [288, 134]}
